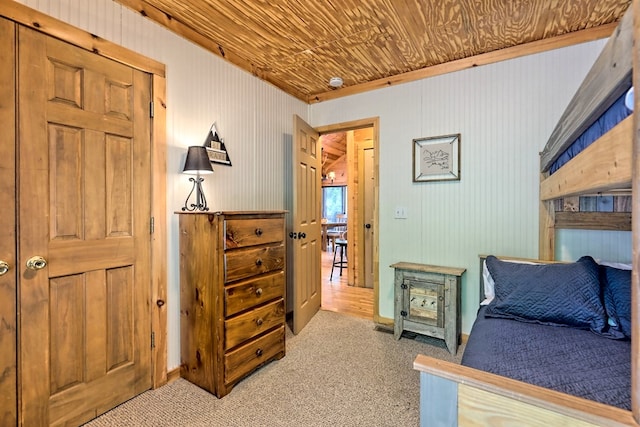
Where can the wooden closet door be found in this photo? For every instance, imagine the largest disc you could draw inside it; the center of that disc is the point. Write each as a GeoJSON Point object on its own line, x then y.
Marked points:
{"type": "Point", "coordinates": [84, 207]}
{"type": "Point", "coordinates": [8, 400]}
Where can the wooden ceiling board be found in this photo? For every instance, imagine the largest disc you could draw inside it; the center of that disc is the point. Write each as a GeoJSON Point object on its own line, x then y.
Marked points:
{"type": "Point", "coordinates": [297, 45]}
{"type": "Point", "coordinates": [334, 149]}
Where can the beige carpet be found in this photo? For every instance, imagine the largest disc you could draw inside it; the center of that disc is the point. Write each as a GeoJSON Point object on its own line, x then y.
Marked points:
{"type": "Point", "coordinates": [339, 371]}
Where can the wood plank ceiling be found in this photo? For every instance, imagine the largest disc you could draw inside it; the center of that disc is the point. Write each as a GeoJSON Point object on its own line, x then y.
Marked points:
{"type": "Point", "coordinates": [298, 45]}
{"type": "Point", "coordinates": [334, 152]}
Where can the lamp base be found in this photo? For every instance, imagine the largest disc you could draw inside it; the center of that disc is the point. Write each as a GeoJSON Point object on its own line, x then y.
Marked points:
{"type": "Point", "coordinates": [201, 201]}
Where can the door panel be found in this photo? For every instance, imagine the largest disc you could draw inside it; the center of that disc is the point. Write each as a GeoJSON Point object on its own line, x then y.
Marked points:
{"type": "Point", "coordinates": [66, 310]}
{"type": "Point", "coordinates": [120, 317]}
{"type": "Point", "coordinates": [84, 206]}
{"type": "Point", "coordinates": [66, 186]}
{"type": "Point", "coordinates": [306, 224]}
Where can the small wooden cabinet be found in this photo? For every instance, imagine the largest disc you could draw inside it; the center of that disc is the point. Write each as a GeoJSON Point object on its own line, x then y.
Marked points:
{"type": "Point", "coordinates": [232, 295]}
{"type": "Point", "coordinates": [427, 301]}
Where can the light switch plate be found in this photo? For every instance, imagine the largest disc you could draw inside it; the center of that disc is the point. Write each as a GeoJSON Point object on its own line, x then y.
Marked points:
{"type": "Point", "coordinates": [400, 212]}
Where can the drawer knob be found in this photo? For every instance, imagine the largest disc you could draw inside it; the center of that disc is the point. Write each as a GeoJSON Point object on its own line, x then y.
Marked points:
{"type": "Point", "coordinates": [258, 232]}
{"type": "Point", "coordinates": [259, 352]}
{"type": "Point", "coordinates": [259, 292]}
{"type": "Point", "coordinates": [259, 321]}
{"type": "Point", "coordinates": [258, 262]}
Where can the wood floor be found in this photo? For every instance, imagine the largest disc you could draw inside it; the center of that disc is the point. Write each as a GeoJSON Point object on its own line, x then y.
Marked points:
{"type": "Point", "coordinates": [340, 297]}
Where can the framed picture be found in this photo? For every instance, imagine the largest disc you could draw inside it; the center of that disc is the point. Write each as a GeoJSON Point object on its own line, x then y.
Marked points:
{"type": "Point", "coordinates": [436, 158]}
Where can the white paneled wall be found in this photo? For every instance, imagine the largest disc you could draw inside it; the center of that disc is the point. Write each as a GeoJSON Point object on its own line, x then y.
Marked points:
{"type": "Point", "coordinates": [505, 113]}
{"type": "Point", "coordinates": [254, 118]}
{"type": "Point", "coordinates": [610, 246]}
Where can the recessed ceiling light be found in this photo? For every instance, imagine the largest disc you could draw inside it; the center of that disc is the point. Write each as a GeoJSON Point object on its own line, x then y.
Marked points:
{"type": "Point", "coordinates": [335, 81]}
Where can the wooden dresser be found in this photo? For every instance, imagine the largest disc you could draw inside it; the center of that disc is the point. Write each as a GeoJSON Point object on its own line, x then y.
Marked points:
{"type": "Point", "coordinates": [232, 290]}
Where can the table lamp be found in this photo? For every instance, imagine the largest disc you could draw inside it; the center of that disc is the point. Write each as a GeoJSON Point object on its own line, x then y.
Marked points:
{"type": "Point", "coordinates": [197, 163]}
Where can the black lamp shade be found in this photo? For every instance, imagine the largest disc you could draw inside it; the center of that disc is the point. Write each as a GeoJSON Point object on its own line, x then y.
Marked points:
{"type": "Point", "coordinates": [197, 161]}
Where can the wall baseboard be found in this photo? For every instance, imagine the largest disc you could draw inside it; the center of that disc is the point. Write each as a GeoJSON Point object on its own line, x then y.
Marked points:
{"type": "Point", "coordinates": [173, 375]}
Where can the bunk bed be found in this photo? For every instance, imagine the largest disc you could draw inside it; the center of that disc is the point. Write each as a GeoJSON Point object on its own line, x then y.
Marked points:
{"type": "Point", "coordinates": [452, 394]}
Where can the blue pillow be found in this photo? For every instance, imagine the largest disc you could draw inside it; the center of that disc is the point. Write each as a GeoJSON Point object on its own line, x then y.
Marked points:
{"type": "Point", "coordinates": [616, 285]}
{"type": "Point", "coordinates": [549, 294]}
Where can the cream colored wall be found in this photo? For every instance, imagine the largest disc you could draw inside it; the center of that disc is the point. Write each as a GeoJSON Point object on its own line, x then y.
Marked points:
{"type": "Point", "coordinates": [505, 113]}
{"type": "Point", "coordinates": [254, 118]}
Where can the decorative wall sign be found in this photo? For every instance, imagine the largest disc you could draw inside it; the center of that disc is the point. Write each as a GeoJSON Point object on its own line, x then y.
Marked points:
{"type": "Point", "coordinates": [216, 149]}
{"type": "Point", "coordinates": [436, 158]}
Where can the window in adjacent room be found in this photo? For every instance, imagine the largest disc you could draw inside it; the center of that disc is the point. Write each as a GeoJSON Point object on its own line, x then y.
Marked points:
{"type": "Point", "coordinates": [334, 201]}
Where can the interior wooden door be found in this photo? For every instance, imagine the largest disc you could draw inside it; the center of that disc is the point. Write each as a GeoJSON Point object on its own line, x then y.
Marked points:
{"type": "Point", "coordinates": [368, 208]}
{"type": "Point", "coordinates": [8, 400]}
{"type": "Point", "coordinates": [84, 207]}
{"type": "Point", "coordinates": [306, 232]}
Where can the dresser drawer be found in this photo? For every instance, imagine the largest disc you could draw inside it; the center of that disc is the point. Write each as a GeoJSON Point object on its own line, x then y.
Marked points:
{"type": "Point", "coordinates": [244, 359]}
{"type": "Point", "coordinates": [245, 326]}
{"type": "Point", "coordinates": [240, 233]}
{"type": "Point", "coordinates": [244, 295]}
{"type": "Point", "coordinates": [250, 262]}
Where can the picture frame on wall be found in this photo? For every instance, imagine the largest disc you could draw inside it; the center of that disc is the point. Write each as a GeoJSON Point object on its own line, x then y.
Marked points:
{"type": "Point", "coordinates": [436, 158]}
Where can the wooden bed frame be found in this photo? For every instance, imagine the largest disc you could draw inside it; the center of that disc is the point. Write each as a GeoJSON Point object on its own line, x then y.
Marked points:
{"type": "Point", "coordinates": [455, 395]}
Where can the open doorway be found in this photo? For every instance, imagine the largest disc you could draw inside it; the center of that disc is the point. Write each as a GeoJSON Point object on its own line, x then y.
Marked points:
{"type": "Point", "coordinates": [349, 213]}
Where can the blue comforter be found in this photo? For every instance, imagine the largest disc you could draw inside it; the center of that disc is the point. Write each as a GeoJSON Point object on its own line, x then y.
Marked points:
{"type": "Point", "coordinates": [572, 361]}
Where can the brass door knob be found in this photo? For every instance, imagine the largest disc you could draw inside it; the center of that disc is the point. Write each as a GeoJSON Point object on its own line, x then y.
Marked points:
{"type": "Point", "coordinates": [4, 267]}
{"type": "Point", "coordinates": [36, 263]}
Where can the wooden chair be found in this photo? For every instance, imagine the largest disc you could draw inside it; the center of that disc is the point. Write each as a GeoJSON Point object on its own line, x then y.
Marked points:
{"type": "Point", "coordinates": [334, 232]}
